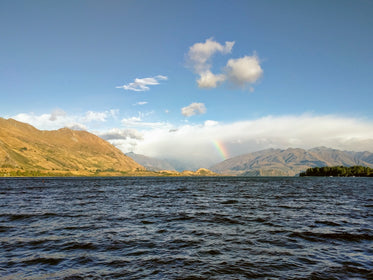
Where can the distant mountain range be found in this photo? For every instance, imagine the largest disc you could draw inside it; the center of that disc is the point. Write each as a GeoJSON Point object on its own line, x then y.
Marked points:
{"type": "Point", "coordinates": [290, 162]}
{"type": "Point", "coordinates": [151, 164]}
{"type": "Point", "coordinates": [27, 150]}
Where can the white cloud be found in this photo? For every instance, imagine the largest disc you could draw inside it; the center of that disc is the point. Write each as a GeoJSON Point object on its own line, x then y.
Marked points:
{"type": "Point", "coordinates": [245, 70]}
{"type": "Point", "coordinates": [114, 113]}
{"type": "Point", "coordinates": [56, 114]}
{"type": "Point", "coordinates": [95, 116]}
{"type": "Point", "coordinates": [210, 80]}
{"type": "Point", "coordinates": [195, 143]}
{"type": "Point", "coordinates": [46, 121]}
{"type": "Point", "coordinates": [141, 103]}
{"type": "Point", "coordinates": [241, 71]}
{"type": "Point", "coordinates": [59, 118]}
{"type": "Point", "coordinates": [194, 109]}
{"type": "Point", "coordinates": [210, 123]}
{"type": "Point", "coordinates": [121, 134]}
{"type": "Point", "coordinates": [143, 84]}
{"type": "Point", "coordinates": [139, 122]}
{"type": "Point", "coordinates": [199, 54]}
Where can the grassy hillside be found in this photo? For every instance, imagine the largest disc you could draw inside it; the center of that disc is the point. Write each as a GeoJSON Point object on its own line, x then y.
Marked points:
{"type": "Point", "coordinates": [25, 150]}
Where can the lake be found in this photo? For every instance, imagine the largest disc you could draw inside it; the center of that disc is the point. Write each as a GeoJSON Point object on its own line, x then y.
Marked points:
{"type": "Point", "coordinates": [186, 228]}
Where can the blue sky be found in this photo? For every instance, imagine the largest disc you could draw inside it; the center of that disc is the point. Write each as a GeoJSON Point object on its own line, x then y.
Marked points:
{"type": "Point", "coordinates": [298, 70]}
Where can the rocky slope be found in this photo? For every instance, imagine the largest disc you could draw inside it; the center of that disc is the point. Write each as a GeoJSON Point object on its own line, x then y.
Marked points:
{"type": "Point", "coordinates": [25, 149]}
{"type": "Point", "coordinates": [289, 162]}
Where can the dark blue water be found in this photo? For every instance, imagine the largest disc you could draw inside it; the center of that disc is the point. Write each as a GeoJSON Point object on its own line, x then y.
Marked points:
{"type": "Point", "coordinates": [186, 228]}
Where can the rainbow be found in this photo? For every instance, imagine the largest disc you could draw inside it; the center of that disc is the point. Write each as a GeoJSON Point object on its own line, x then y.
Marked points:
{"type": "Point", "coordinates": [221, 149]}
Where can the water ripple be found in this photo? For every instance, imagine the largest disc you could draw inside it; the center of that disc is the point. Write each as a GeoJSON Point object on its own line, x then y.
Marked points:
{"type": "Point", "coordinates": [186, 228]}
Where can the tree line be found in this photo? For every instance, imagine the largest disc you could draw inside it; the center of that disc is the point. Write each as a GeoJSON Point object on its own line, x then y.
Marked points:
{"type": "Point", "coordinates": [339, 171]}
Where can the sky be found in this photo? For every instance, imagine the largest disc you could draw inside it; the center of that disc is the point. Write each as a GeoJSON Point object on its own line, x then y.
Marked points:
{"type": "Point", "coordinates": [192, 81]}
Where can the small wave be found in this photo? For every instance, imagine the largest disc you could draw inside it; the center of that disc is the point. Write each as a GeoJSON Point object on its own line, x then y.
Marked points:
{"type": "Point", "coordinates": [74, 277]}
{"type": "Point", "coordinates": [342, 272]}
{"type": "Point", "coordinates": [5, 228]}
{"type": "Point", "coordinates": [41, 260]}
{"type": "Point", "coordinates": [226, 220]}
{"type": "Point", "coordinates": [328, 223]}
{"type": "Point", "coordinates": [23, 216]}
{"type": "Point", "coordinates": [79, 246]}
{"type": "Point", "coordinates": [344, 236]}
{"type": "Point", "coordinates": [182, 217]}
{"type": "Point", "coordinates": [84, 260]}
{"type": "Point", "coordinates": [145, 222]}
{"type": "Point", "coordinates": [230, 201]}
{"type": "Point", "coordinates": [212, 252]}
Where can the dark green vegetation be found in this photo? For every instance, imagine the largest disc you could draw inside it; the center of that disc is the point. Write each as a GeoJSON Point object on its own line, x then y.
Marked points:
{"type": "Point", "coordinates": [339, 171]}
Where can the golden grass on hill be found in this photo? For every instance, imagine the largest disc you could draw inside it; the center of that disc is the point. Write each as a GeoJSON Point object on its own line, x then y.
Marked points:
{"type": "Point", "coordinates": [29, 151]}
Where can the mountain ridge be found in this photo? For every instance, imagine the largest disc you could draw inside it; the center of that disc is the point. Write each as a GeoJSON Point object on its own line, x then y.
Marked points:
{"type": "Point", "coordinates": [290, 162]}
{"type": "Point", "coordinates": [23, 148]}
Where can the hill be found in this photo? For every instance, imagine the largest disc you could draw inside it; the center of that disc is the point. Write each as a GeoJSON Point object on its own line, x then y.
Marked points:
{"type": "Point", "coordinates": [199, 173]}
{"type": "Point", "coordinates": [25, 150]}
{"type": "Point", "coordinates": [290, 162]}
{"type": "Point", "coordinates": [151, 164]}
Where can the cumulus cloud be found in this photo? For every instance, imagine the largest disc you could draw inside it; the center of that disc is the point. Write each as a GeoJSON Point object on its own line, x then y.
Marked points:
{"type": "Point", "coordinates": [144, 83]}
{"type": "Point", "coordinates": [240, 72]}
{"type": "Point", "coordinates": [193, 109]}
{"type": "Point", "coordinates": [210, 80]}
{"type": "Point", "coordinates": [245, 70]}
{"type": "Point", "coordinates": [200, 54]}
{"type": "Point", "coordinates": [199, 58]}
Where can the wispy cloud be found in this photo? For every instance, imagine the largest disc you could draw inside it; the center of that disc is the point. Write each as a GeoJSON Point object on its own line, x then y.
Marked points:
{"type": "Point", "coordinates": [193, 109]}
{"type": "Point", "coordinates": [141, 103]}
{"type": "Point", "coordinates": [143, 83]}
{"type": "Point", "coordinates": [121, 134]}
{"type": "Point", "coordinates": [239, 72]}
{"type": "Point", "coordinates": [59, 118]}
{"type": "Point", "coordinates": [56, 114]}
{"type": "Point", "coordinates": [140, 121]}
{"type": "Point", "coordinates": [95, 116]}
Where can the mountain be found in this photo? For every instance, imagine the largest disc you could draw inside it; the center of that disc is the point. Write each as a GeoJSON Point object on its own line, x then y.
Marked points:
{"type": "Point", "coordinates": [151, 164]}
{"type": "Point", "coordinates": [289, 162]}
{"type": "Point", "coordinates": [27, 150]}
